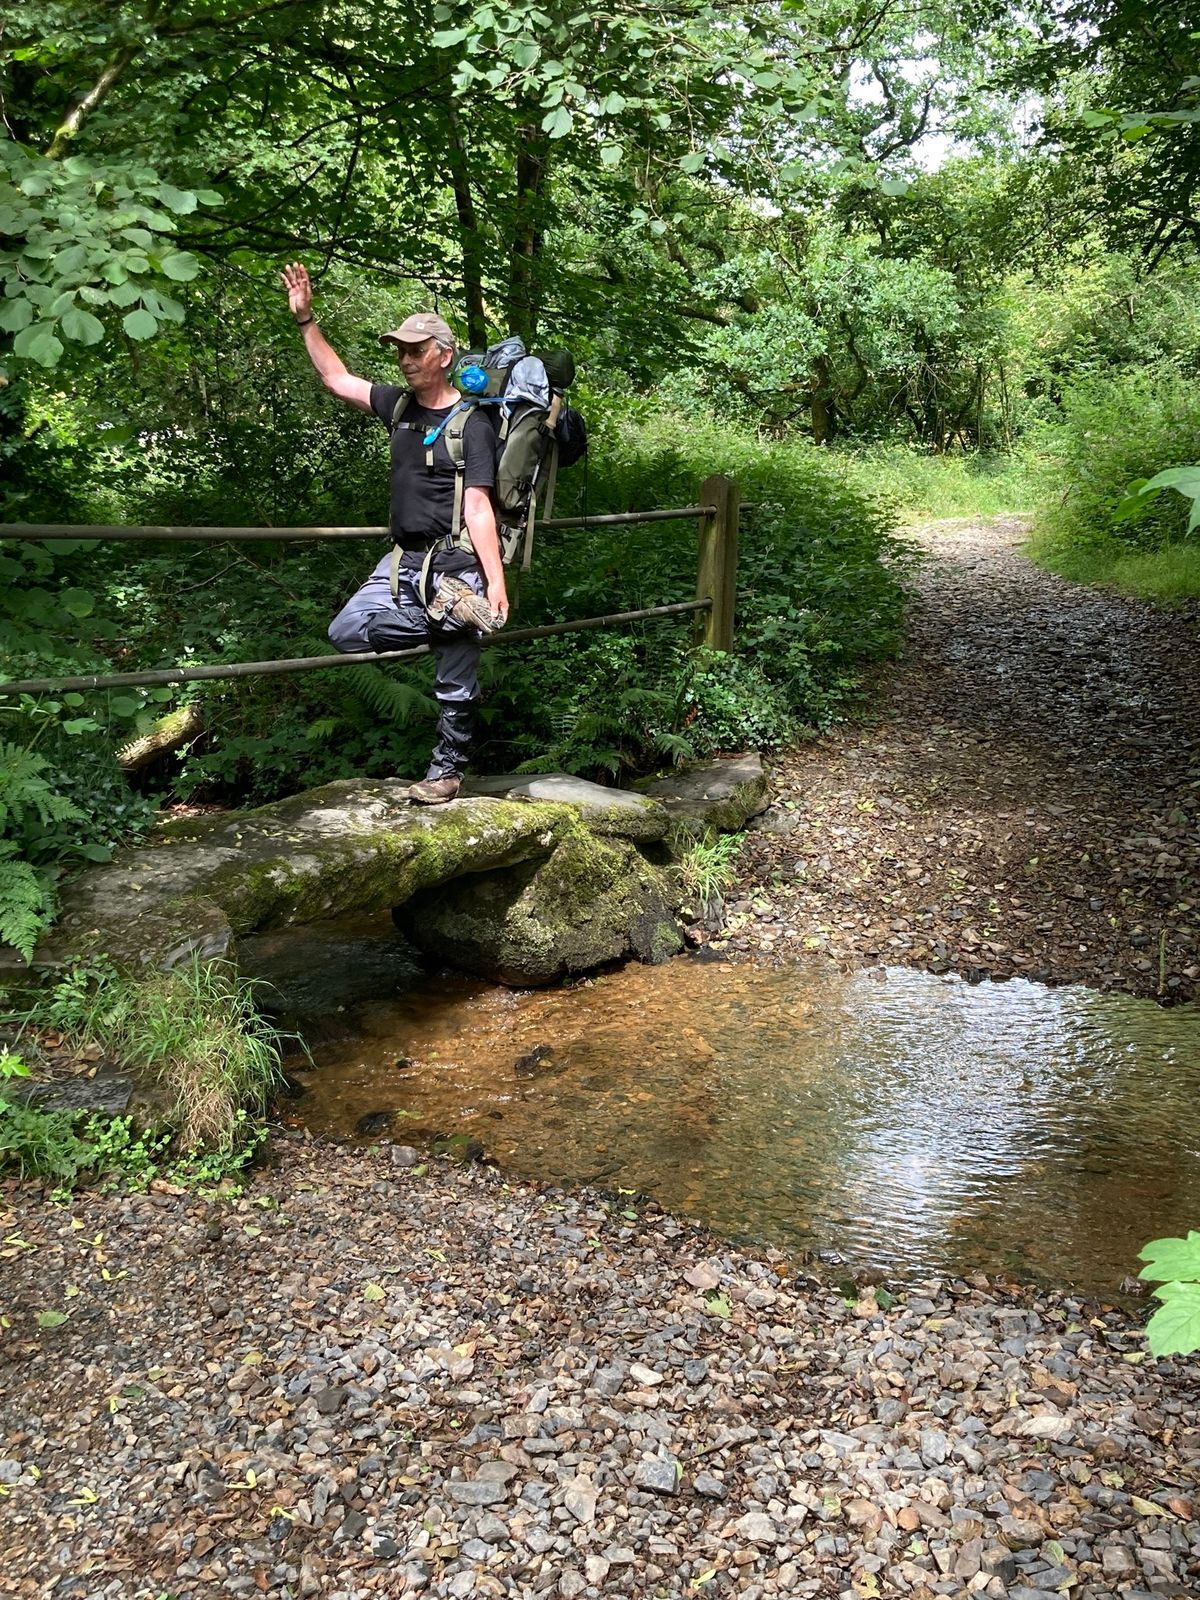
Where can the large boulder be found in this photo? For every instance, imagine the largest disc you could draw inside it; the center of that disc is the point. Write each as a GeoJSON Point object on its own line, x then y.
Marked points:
{"type": "Point", "coordinates": [593, 900]}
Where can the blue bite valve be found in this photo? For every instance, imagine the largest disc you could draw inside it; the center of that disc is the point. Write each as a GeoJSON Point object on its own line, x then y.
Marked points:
{"type": "Point", "coordinates": [471, 380]}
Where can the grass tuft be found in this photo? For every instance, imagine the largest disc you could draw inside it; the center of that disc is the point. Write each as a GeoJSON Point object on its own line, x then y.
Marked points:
{"type": "Point", "coordinates": [707, 865]}
{"type": "Point", "coordinates": [195, 1027]}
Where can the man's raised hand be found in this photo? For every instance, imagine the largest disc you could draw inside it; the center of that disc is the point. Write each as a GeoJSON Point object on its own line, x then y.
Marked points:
{"type": "Point", "coordinates": [299, 290]}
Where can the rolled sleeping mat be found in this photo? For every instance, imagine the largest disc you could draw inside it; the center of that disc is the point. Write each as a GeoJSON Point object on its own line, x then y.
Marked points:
{"type": "Point", "coordinates": [560, 367]}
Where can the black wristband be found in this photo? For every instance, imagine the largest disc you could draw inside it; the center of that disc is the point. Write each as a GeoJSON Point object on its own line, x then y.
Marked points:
{"type": "Point", "coordinates": [305, 323]}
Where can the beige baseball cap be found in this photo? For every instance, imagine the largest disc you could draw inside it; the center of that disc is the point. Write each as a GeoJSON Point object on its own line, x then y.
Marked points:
{"type": "Point", "coordinates": [422, 325]}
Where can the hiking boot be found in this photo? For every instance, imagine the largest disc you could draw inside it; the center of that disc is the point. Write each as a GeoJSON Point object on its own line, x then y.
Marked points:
{"type": "Point", "coordinates": [434, 791]}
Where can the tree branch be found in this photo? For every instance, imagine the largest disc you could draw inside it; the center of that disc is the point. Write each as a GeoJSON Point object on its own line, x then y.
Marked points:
{"type": "Point", "coordinates": [69, 127]}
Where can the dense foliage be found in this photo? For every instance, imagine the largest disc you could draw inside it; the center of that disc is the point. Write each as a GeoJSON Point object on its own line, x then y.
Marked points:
{"type": "Point", "coordinates": [967, 232]}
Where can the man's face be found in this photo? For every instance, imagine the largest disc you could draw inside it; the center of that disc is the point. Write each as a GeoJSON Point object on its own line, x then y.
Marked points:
{"type": "Point", "coordinates": [421, 362]}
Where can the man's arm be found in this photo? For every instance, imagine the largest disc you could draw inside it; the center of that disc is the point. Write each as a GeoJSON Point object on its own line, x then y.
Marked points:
{"type": "Point", "coordinates": [480, 518]}
{"type": "Point", "coordinates": [331, 369]}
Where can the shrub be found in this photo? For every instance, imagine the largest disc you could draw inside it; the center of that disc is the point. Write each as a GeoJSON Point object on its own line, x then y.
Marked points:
{"type": "Point", "coordinates": [1117, 428]}
{"type": "Point", "coordinates": [821, 592]}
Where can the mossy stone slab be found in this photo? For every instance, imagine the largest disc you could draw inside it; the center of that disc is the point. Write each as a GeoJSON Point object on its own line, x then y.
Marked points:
{"type": "Point", "coordinates": [722, 794]}
{"type": "Point", "coordinates": [618, 813]}
{"type": "Point", "coordinates": [346, 848]}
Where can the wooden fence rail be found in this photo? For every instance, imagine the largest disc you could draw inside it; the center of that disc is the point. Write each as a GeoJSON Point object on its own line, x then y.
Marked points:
{"type": "Point", "coordinates": [713, 607]}
{"type": "Point", "coordinates": [186, 535]}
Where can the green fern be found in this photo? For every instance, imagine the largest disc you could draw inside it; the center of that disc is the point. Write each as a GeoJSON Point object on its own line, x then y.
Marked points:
{"type": "Point", "coordinates": [386, 698]}
{"type": "Point", "coordinates": [27, 901]}
{"type": "Point", "coordinates": [673, 745]}
{"type": "Point", "coordinates": [25, 794]}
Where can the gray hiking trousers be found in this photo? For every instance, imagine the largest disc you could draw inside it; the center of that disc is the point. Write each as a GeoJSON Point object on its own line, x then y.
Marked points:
{"type": "Point", "coordinates": [372, 620]}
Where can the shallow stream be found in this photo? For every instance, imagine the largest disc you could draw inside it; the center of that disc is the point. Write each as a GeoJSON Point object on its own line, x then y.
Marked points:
{"type": "Point", "coordinates": [906, 1122]}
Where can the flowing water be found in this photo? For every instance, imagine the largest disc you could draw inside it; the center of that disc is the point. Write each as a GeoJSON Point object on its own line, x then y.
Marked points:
{"type": "Point", "coordinates": [905, 1121]}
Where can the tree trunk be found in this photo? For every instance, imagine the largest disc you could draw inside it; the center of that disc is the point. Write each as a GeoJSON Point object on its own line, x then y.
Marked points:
{"type": "Point", "coordinates": [470, 237]}
{"type": "Point", "coordinates": [823, 406]}
{"type": "Point", "coordinates": [524, 286]}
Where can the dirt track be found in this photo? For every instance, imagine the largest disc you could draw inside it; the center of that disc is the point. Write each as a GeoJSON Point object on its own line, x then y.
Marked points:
{"type": "Point", "coordinates": [1026, 801]}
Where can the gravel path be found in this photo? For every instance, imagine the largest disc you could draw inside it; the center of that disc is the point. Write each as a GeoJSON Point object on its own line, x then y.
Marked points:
{"type": "Point", "coordinates": [1028, 801]}
{"type": "Point", "coordinates": [362, 1379]}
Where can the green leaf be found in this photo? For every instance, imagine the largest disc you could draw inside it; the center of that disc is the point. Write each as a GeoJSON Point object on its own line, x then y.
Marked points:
{"type": "Point", "coordinates": [125, 294]}
{"type": "Point", "coordinates": [83, 327]}
{"type": "Point", "coordinates": [15, 315]}
{"type": "Point", "coordinates": [71, 261]}
{"type": "Point", "coordinates": [692, 162]}
{"type": "Point", "coordinates": [612, 105]}
{"type": "Point", "coordinates": [78, 602]}
{"type": "Point", "coordinates": [717, 1304]}
{"type": "Point", "coordinates": [610, 154]}
{"type": "Point", "coordinates": [1171, 1259]}
{"type": "Point", "coordinates": [894, 186]}
{"type": "Point", "coordinates": [38, 344]}
{"type": "Point", "coordinates": [95, 852]}
{"type": "Point", "coordinates": [179, 200]}
{"type": "Point", "coordinates": [140, 324]}
{"type": "Point", "coordinates": [1174, 1329]}
{"type": "Point", "coordinates": [51, 1319]}
{"type": "Point", "coordinates": [374, 1292]}
{"type": "Point", "coordinates": [124, 705]}
{"type": "Point", "coordinates": [209, 197]}
{"type": "Point", "coordinates": [447, 38]}
{"type": "Point", "coordinates": [558, 123]}
{"type": "Point", "coordinates": [1185, 479]}
{"type": "Point", "coordinates": [182, 266]}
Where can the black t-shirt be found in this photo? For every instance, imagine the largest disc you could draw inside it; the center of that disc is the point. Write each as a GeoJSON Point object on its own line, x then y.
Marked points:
{"type": "Point", "coordinates": [422, 497]}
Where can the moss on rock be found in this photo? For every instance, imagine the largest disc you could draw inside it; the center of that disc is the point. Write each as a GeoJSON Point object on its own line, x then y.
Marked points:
{"type": "Point", "coordinates": [592, 901]}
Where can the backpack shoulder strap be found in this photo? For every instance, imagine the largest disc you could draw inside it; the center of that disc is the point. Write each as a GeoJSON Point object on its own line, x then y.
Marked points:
{"type": "Point", "coordinates": [399, 409]}
{"type": "Point", "coordinates": [453, 433]}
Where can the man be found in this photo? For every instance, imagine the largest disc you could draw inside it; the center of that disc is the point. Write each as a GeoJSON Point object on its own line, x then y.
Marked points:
{"type": "Point", "coordinates": [422, 502]}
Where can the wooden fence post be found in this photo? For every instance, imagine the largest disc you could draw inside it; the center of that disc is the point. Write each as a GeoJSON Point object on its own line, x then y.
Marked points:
{"type": "Point", "coordinates": [716, 578]}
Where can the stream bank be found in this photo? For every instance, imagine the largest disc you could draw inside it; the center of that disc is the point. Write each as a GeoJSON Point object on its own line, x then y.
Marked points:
{"type": "Point", "coordinates": [363, 1379]}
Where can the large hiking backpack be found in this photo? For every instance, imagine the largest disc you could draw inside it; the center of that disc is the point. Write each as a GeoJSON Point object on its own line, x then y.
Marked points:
{"type": "Point", "coordinates": [536, 434]}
